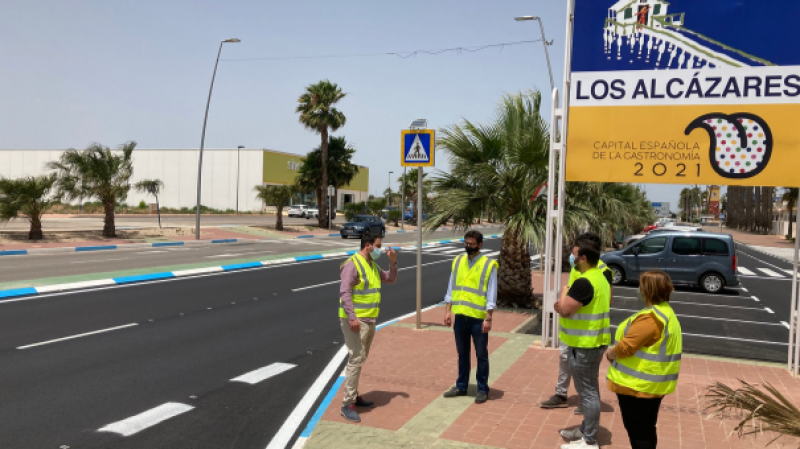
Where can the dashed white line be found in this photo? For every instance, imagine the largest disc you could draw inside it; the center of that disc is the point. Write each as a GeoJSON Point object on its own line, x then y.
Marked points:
{"type": "Point", "coordinates": [78, 336]}
{"type": "Point", "coordinates": [745, 271]}
{"type": "Point", "coordinates": [769, 310]}
{"type": "Point", "coordinates": [261, 374]}
{"type": "Point", "coordinates": [756, 299]}
{"type": "Point", "coordinates": [769, 272]}
{"type": "Point", "coordinates": [135, 424]}
{"type": "Point", "coordinates": [785, 324]}
{"type": "Point", "coordinates": [315, 286]}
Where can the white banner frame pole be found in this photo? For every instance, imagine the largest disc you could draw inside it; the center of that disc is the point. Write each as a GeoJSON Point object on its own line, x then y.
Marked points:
{"type": "Point", "coordinates": [549, 317]}
{"type": "Point", "coordinates": [794, 335]}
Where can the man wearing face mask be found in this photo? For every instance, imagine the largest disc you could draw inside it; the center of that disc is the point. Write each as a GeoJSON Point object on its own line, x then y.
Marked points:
{"type": "Point", "coordinates": [559, 400]}
{"type": "Point", "coordinates": [471, 297]}
{"type": "Point", "coordinates": [359, 304]}
{"type": "Point", "coordinates": [586, 330]}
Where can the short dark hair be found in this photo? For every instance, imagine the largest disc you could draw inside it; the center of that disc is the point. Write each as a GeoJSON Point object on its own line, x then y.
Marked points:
{"type": "Point", "coordinates": [589, 249]}
{"type": "Point", "coordinates": [473, 234]}
{"type": "Point", "coordinates": [368, 240]}
{"type": "Point", "coordinates": [591, 236]}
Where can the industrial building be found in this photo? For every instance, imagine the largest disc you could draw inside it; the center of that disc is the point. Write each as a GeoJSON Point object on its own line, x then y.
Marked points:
{"type": "Point", "coordinates": [229, 175]}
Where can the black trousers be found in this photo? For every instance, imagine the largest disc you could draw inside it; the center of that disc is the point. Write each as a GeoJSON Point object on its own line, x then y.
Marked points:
{"type": "Point", "coordinates": [639, 416]}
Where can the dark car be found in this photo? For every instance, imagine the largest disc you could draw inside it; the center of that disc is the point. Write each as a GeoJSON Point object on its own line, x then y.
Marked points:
{"type": "Point", "coordinates": [705, 259]}
{"type": "Point", "coordinates": [409, 217]}
{"type": "Point", "coordinates": [363, 225]}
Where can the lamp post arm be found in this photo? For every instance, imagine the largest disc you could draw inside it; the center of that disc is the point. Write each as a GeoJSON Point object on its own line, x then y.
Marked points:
{"type": "Point", "coordinates": [547, 55]}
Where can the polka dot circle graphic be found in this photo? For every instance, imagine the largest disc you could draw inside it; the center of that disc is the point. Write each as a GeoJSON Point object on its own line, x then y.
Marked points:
{"type": "Point", "coordinates": [741, 143]}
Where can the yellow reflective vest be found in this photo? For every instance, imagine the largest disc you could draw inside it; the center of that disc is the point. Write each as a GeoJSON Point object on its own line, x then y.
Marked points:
{"type": "Point", "coordinates": [367, 294]}
{"type": "Point", "coordinates": [469, 292]}
{"type": "Point", "coordinates": [575, 274]}
{"type": "Point", "coordinates": [652, 369]}
{"type": "Point", "coordinates": [590, 326]}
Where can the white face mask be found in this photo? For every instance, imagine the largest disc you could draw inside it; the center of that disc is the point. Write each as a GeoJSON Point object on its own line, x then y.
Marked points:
{"type": "Point", "coordinates": [375, 253]}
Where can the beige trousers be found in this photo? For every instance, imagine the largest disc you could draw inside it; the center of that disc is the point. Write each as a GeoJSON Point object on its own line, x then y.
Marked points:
{"type": "Point", "coordinates": [358, 344]}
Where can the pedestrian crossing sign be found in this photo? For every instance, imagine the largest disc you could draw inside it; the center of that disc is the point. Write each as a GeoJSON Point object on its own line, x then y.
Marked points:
{"type": "Point", "coordinates": [417, 148]}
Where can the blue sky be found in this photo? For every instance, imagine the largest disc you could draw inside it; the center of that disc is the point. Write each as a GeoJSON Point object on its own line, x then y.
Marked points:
{"type": "Point", "coordinates": [79, 71]}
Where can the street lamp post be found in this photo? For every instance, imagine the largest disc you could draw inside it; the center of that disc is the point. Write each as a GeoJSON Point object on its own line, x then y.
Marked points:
{"type": "Point", "coordinates": [238, 167]}
{"type": "Point", "coordinates": [331, 191]}
{"type": "Point", "coordinates": [203, 138]}
{"type": "Point", "coordinates": [389, 191]}
{"type": "Point", "coordinates": [544, 42]}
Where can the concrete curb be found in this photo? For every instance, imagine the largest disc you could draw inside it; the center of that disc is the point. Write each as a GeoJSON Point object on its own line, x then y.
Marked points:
{"type": "Point", "coordinates": [30, 252]}
{"type": "Point", "coordinates": [56, 288]}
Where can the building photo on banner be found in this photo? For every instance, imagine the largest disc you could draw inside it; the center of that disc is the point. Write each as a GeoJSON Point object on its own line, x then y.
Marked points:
{"type": "Point", "coordinates": [677, 92]}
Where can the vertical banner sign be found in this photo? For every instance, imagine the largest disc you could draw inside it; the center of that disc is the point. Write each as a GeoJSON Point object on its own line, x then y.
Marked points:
{"type": "Point", "coordinates": [685, 92]}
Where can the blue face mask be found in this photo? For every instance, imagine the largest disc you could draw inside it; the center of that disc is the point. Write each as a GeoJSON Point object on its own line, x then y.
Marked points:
{"type": "Point", "coordinates": [375, 253]}
{"type": "Point", "coordinates": [572, 260]}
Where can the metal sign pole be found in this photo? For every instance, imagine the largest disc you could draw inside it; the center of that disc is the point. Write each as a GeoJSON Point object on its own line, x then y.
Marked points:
{"type": "Point", "coordinates": [419, 246]}
{"type": "Point", "coordinates": [794, 335]}
{"type": "Point", "coordinates": [403, 200]}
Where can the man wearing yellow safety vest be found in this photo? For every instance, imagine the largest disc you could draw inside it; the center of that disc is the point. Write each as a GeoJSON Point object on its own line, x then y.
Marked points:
{"type": "Point", "coordinates": [359, 304]}
{"type": "Point", "coordinates": [585, 329]}
{"type": "Point", "coordinates": [559, 400]}
{"type": "Point", "coordinates": [646, 360]}
{"type": "Point", "coordinates": [471, 297]}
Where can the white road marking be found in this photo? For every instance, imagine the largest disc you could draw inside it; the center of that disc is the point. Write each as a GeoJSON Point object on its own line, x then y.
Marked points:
{"type": "Point", "coordinates": [150, 418]}
{"type": "Point", "coordinates": [453, 250]}
{"type": "Point", "coordinates": [315, 286]}
{"type": "Point", "coordinates": [261, 374]}
{"type": "Point", "coordinates": [435, 249]}
{"type": "Point", "coordinates": [75, 285]}
{"type": "Point", "coordinates": [756, 299]}
{"type": "Point", "coordinates": [536, 257]}
{"type": "Point", "coordinates": [708, 318]}
{"type": "Point", "coordinates": [195, 271]}
{"type": "Point", "coordinates": [769, 272]}
{"type": "Point", "coordinates": [745, 271]}
{"type": "Point", "coordinates": [78, 336]}
{"type": "Point", "coordinates": [785, 324]}
{"type": "Point", "coordinates": [769, 310]}
{"type": "Point", "coordinates": [744, 289]}
{"type": "Point", "coordinates": [699, 304]}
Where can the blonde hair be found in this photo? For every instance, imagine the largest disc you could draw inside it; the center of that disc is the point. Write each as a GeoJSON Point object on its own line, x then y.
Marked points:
{"type": "Point", "coordinates": [655, 286]}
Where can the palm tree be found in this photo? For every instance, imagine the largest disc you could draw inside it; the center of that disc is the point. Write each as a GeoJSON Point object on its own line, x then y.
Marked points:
{"type": "Point", "coordinates": [278, 196]}
{"type": "Point", "coordinates": [318, 114]}
{"type": "Point", "coordinates": [29, 196]}
{"type": "Point", "coordinates": [152, 187]}
{"type": "Point", "coordinates": [790, 196]}
{"type": "Point", "coordinates": [341, 170]}
{"type": "Point", "coordinates": [499, 167]}
{"type": "Point", "coordinates": [96, 172]}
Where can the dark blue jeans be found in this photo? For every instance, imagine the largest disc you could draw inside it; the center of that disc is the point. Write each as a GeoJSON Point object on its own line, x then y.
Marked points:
{"type": "Point", "coordinates": [466, 328]}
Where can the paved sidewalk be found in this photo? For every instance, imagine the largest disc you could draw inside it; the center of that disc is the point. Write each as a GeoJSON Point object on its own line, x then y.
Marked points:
{"type": "Point", "coordinates": [408, 370]}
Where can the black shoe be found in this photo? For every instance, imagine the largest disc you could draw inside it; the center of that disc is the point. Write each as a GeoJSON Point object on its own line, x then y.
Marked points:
{"type": "Point", "coordinates": [361, 402]}
{"type": "Point", "coordinates": [555, 401]}
{"type": "Point", "coordinates": [453, 392]}
{"type": "Point", "coordinates": [481, 397]}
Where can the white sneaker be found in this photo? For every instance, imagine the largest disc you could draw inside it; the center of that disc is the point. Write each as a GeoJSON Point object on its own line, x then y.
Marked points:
{"type": "Point", "coordinates": [580, 444]}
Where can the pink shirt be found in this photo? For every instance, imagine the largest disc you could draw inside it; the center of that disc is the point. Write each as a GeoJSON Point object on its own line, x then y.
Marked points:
{"type": "Point", "coordinates": [349, 275]}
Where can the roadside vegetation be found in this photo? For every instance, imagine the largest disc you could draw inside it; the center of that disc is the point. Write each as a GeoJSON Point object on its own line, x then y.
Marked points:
{"type": "Point", "coordinates": [28, 196]}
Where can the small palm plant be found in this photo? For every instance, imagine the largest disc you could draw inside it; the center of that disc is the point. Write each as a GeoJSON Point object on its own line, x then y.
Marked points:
{"type": "Point", "coordinates": [278, 196]}
{"type": "Point", "coordinates": [152, 187]}
{"type": "Point", "coordinates": [761, 411]}
{"type": "Point", "coordinates": [29, 196]}
{"type": "Point", "coordinates": [96, 172]}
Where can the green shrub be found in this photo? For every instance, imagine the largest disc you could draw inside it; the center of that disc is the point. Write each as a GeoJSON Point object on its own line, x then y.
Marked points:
{"type": "Point", "coordinates": [353, 209]}
{"type": "Point", "coordinates": [394, 216]}
{"type": "Point", "coordinates": [142, 205]}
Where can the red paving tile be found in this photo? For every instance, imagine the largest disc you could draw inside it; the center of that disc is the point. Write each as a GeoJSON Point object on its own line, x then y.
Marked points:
{"type": "Point", "coordinates": [682, 422]}
{"type": "Point", "coordinates": [502, 322]}
{"type": "Point", "coordinates": [406, 370]}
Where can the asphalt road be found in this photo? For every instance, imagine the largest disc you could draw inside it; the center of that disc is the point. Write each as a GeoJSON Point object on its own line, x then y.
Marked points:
{"type": "Point", "coordinates": [47, 265]}
{"type": "Point", "coordinates": [176, 346]}
{"type": "Point", "coordinates": [186, 339]}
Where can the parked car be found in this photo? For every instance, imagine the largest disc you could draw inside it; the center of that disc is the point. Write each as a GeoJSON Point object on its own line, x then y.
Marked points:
{"type": "Point", "coordinates": [314, 213]}
{"type": "Point", "coordinates": [705, 259]}
{"type": "Point", "coordinates": [363, 225]}
{"type": "Point", "coordinates": [387, 209]}
{"type": "Point", "coordinates": [298, 210]}
{"type": "Point", "coordinates": [409, 216]}
{"type": "Point", "coordinates": [677, 229]}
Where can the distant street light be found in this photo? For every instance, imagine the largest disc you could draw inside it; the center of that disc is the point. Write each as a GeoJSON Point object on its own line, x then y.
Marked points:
{"type": "Point", "coordinates": [203, 138]}
{"type": "Point", "coordinates": [389, 191]}
{"type": "Point", "coordinates": [544, 41]}
{"type": "Point", "coordinates": [238, 166]}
